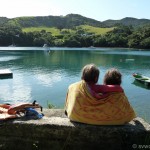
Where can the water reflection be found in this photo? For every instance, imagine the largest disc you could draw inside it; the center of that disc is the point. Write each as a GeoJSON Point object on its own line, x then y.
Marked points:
{"type": "Point", "coordinates": [141, 85]}
{"type": "Point", "coordinates": [48, 79]}
{"type": "Point", "coordinates": [8, 58]}
{"type": "Point", "coordinates": [15, 92]}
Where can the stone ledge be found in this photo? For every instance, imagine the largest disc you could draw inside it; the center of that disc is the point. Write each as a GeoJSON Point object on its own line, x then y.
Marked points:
{"type": "Point", "coordinates": [55, 131]}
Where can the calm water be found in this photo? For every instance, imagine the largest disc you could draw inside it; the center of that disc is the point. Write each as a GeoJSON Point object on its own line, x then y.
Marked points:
{"type": "Point", "coordinates": [45, 77]}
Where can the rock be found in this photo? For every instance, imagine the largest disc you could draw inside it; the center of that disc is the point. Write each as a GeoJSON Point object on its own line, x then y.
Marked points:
{"type": "Point", "coordinates": [55, 131]}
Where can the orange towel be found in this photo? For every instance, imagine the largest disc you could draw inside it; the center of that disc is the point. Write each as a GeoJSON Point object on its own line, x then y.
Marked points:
{"type": "Point", "coordinates": [4, 112]}
{"type": "Point", "coordinates": [82, 107]}
{"type": "Point", "coordinates": [12, 111]}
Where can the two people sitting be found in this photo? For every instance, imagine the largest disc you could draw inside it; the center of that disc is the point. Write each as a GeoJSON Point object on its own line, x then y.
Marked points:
{"type": "Point", "coordinates": [91, 103]}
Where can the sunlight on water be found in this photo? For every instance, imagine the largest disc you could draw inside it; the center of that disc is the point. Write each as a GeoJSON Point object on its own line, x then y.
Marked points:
{"type": "Point", "coordinates": [16, 91]}
{"type": "Point", "coordinates": [48, 79]}
{"type": "Point", "coordinates": [8, 58]}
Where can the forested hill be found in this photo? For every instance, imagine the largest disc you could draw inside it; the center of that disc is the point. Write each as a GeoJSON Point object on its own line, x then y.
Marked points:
{"type": "Point", "coordinates": [127, 21]}
{"type": "Point", "coordinates": [74, 30]}
{"type": "Point", "coordinates": [3, 20]}
{"type": "Point", "coordinates": [69, 21]}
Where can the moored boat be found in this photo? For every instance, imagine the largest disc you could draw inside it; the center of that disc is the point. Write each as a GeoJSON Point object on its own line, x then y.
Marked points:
{"type": "Point", "coordinates": [141, 78]}
{"type": "Point", "coordinates": [5, 74]}
{"type": "Point", "coordinates": [46, 47]}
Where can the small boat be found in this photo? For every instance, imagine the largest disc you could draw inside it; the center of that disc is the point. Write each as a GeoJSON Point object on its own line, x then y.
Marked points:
{"type": "Point", "coordinates": [12, 45]}
{"type": "Point", "coordinates": [45, 45]}
{"type": "Point", "coordinates": [5, 74]}
{"type": "Point", "coordinates": [92, 47]}
{"type": "Point", "coordinates": [142, 79]}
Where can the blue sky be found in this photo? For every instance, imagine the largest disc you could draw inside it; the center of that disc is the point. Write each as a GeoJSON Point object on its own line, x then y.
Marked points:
{"type": "Point", "coordinates": [97, 9]}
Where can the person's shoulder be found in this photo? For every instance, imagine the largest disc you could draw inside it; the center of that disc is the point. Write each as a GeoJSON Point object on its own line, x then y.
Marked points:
{"type": "Point", "coordinates": [75, 84]}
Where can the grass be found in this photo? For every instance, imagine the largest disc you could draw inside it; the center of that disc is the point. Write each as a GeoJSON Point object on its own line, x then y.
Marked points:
{"type": "Point", "coordinates": [50, 105]}
{"type": "Point", "coordinates": [96, 30]}
{"type": "Point", "coordinates": [55, 31]}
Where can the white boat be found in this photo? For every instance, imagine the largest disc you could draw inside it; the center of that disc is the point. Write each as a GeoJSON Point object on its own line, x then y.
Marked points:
{"type": "Point", "coordinates": [92, 47]}
{"type": "Point", "coordinates": [12, 45]}
{"type": "Point", "coordinates": [5, 73]}
{"type": "Point", "coordinates": [45, 45]}
{"type": "Point", "coordinates": [46, 48]}
{"type": "Point", "coordinates": [141, 78]}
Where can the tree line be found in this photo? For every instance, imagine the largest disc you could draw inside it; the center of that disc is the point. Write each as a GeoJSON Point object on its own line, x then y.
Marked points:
{"type": "Point", "coordinates": [121, 36]}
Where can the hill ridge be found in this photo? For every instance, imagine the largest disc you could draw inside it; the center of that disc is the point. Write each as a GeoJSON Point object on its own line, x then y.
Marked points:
{"type": "Point", "coordinates": [69, 21]}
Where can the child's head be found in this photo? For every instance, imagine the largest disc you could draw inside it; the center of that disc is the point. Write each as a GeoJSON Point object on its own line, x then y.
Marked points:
{"type": "Point", "coordinates": [90, 73]}
{"type": "Point", "coordinates": [112, 77]}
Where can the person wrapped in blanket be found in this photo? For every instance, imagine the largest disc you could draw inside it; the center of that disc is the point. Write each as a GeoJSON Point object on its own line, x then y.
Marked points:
{"type": "Point", "coordinates": [91, 103]}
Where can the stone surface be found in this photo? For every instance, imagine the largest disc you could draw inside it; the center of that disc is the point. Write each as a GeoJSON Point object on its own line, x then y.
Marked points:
{"type": "Point", "coordinates": [55, 131]}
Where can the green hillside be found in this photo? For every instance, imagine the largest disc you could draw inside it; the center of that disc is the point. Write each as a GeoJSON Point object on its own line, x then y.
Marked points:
{"type": "Point", "coordinates": [74, 30]}
{"type": "Point", "coordinates": [3, 20]}
{"type": "Point", "coordinates": [53, 30]}
{"type": "Point", "coordinates": [127, 21]}
{"type": "Point", "coordinates": [68, 21]}
{"type": "Point", "coordinates": [96, 30]}
{"type": "Point", "coordinates": [56, 31]}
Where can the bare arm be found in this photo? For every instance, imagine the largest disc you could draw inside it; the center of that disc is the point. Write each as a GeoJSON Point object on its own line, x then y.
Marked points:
{"type": "Point", "coordinates": [14, 108]}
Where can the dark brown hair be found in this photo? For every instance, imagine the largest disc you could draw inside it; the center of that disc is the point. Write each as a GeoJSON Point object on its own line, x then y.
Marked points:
{"type": "Point", "coordinates": [112, 77]}
{"type": "Point", "coordinates": [90, 73]}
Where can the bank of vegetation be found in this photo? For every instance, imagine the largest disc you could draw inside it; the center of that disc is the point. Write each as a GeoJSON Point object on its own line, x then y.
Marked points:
{"type": "Point", "coordinates": [74, 31]}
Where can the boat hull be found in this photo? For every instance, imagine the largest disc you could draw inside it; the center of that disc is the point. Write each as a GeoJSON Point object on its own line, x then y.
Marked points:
{"type": "Point", "coordinates": [143, 79]}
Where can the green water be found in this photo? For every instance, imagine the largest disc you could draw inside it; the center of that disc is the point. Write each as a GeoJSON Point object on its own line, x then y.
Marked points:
{"type": "Point", "coordinates": [45, 76]}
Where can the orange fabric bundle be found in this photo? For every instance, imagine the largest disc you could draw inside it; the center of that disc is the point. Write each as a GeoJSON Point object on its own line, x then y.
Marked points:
{"type": "Point", "coordinates": [12, 111]}
{"type": "Point", "coordinates": [82, 107]}
{"type": "Point", "coordinates": [4, 112]}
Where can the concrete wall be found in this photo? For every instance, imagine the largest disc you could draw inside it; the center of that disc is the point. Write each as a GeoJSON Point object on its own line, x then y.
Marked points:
{"type": "Point", "coordinates": [56, 132]}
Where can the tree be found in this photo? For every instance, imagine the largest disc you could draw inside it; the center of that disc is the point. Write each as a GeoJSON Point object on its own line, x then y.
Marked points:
{"type": "Point", "coordinates": [145, 43]}
{"type": "Point", "coordinates": [99, 41]}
